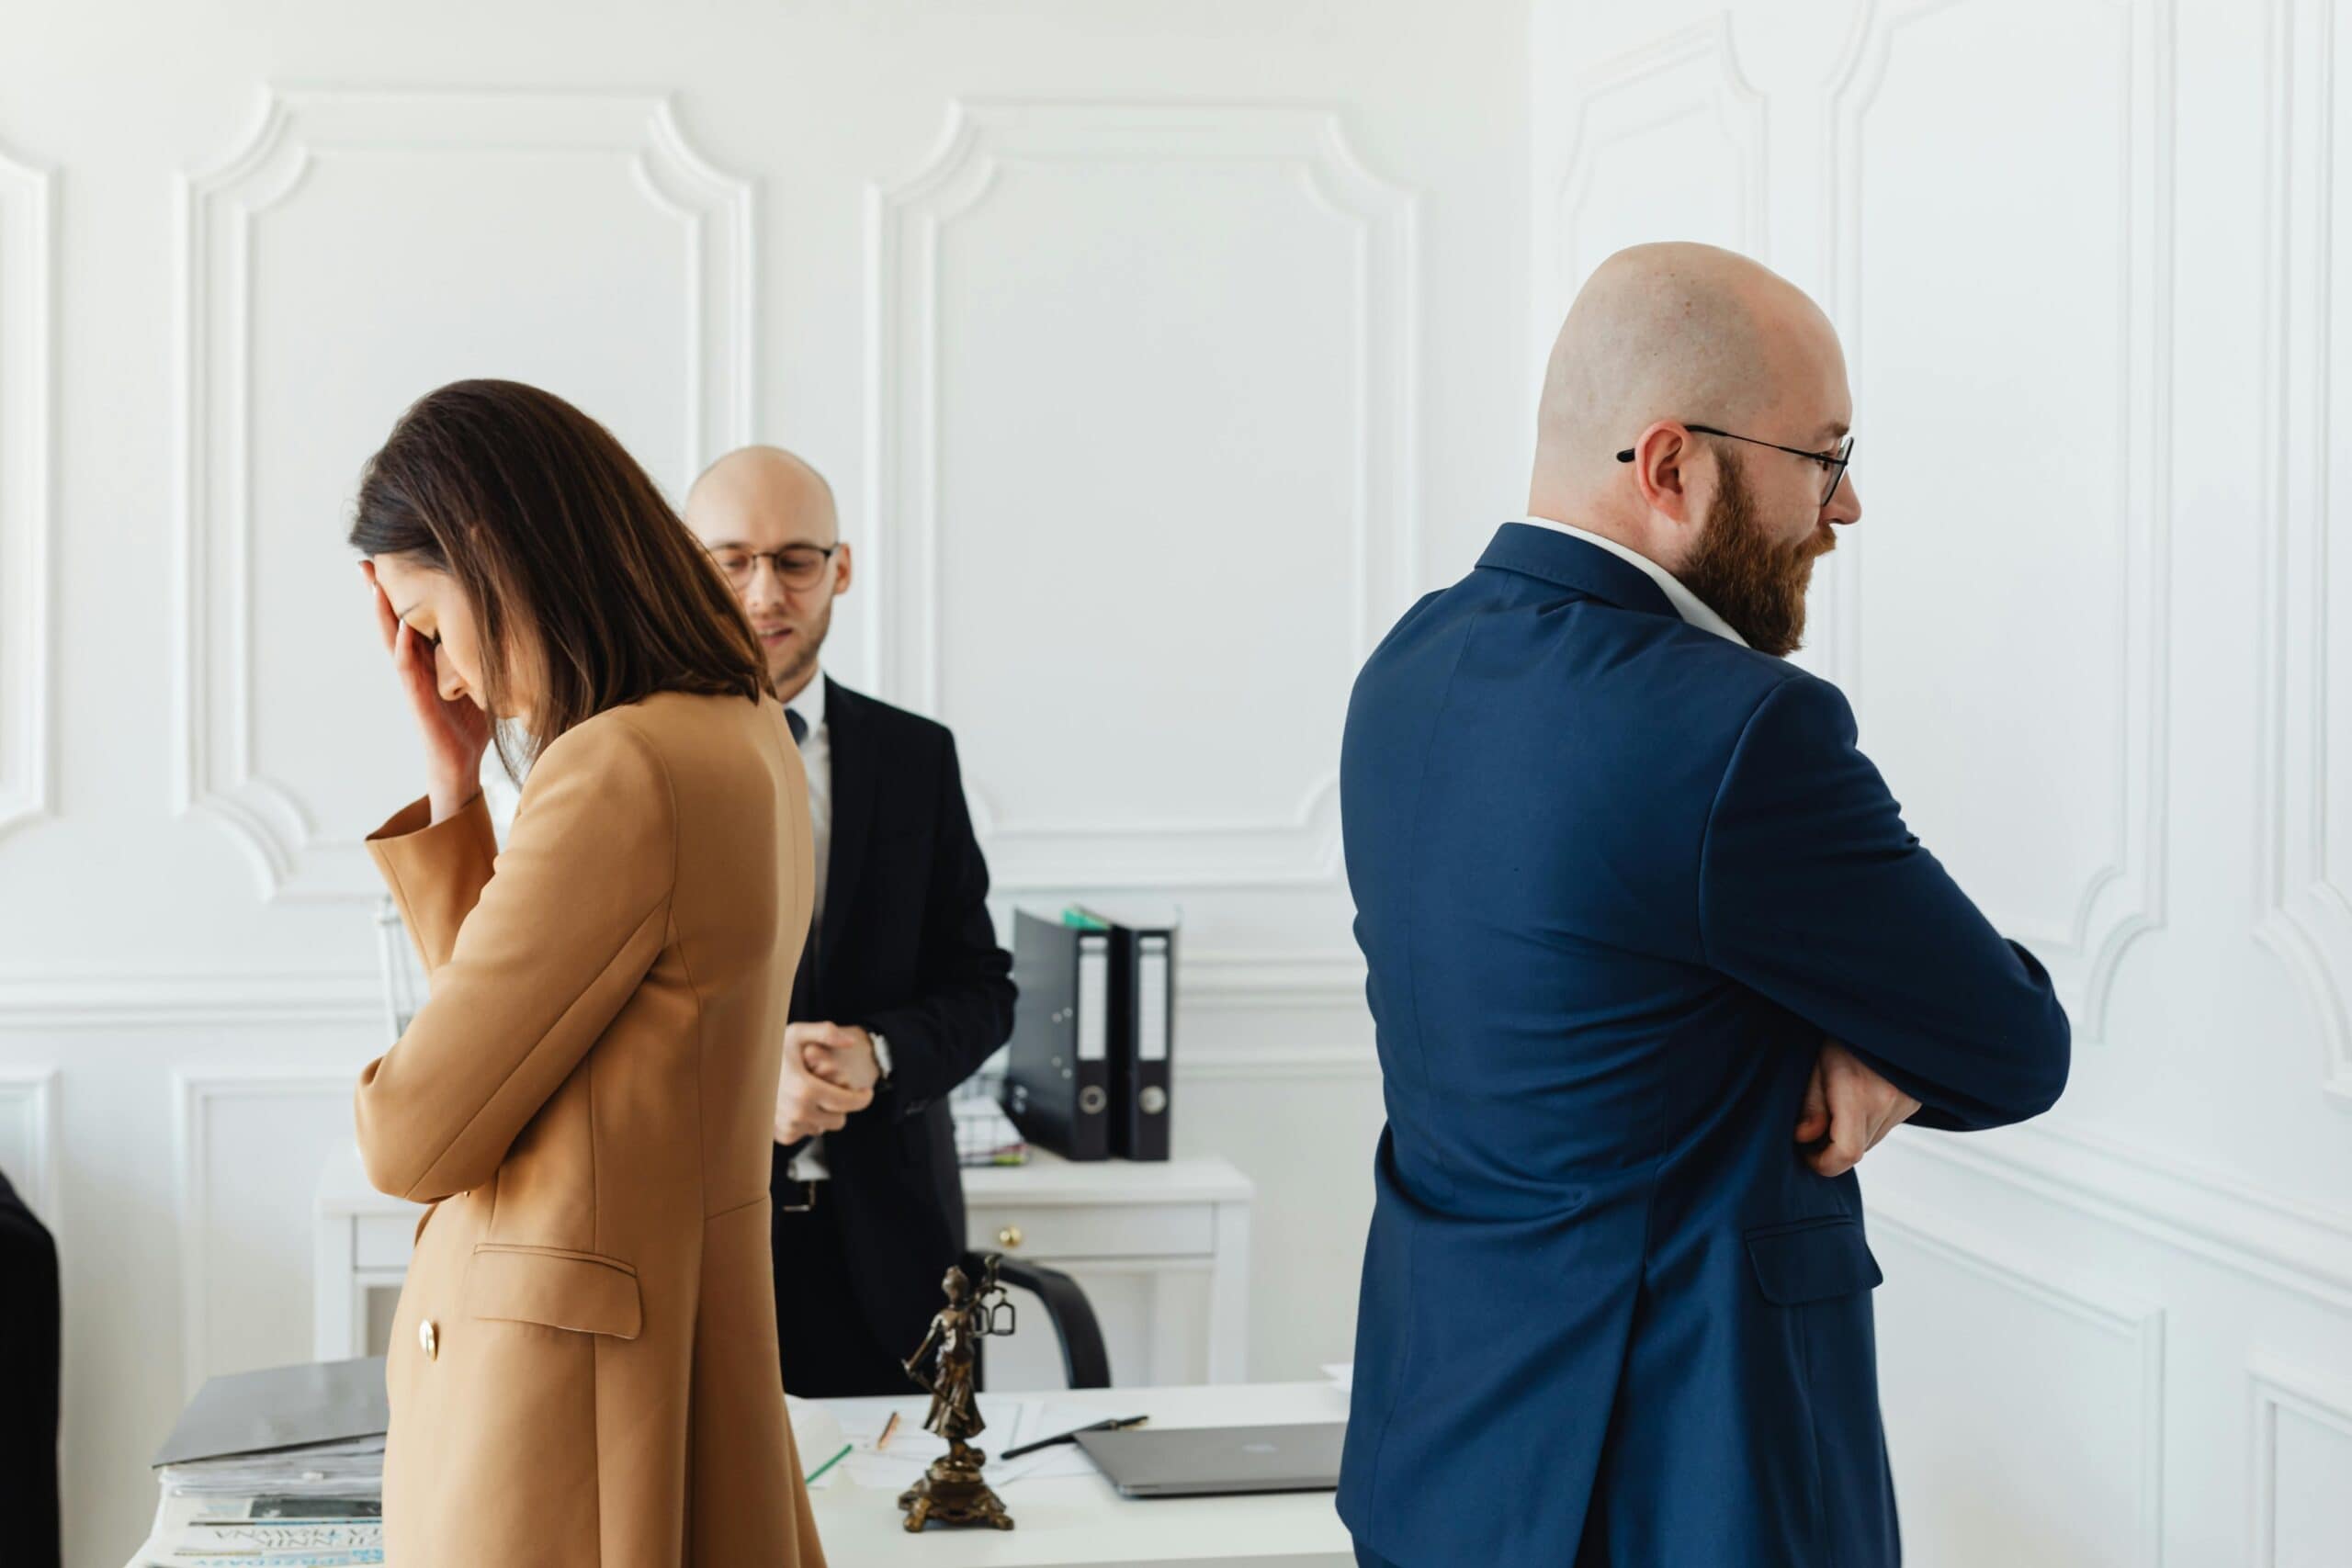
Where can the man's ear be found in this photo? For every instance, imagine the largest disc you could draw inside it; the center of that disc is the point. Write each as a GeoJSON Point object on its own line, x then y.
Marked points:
{"type": "Point", "coordinates": [1661, 468]}
{"type": "Point", "coordinates": [841, 572]}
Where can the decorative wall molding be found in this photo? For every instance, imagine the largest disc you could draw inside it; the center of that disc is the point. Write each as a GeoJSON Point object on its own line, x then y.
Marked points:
{"type": "Point", "coordinates": [1254, 981]}
{"type": "Point", "coordinates": [2125, 896]}
{"type": "Point", "coordinates": [1280, 1064]}
{"type": "Point", "coordinates": [2273, 1240]}
{"type": "Point", "coordinates": [2140, 1327]}
{"type": "Point", "coordinates": [193, 1094]}
{"type": "Point", "coordinates": [2279, 1390]}
{"type": "Point", "coordinates": [905, 224]}
{"type": "Point", "coordinates": [2305, 916]}
{"type": "Point", "coordinates": [28, 1122]}
{"type": "Point", "coordinates": [214, 770]}
{"type": "Point", "coordinates": [1303, 846]}
{"type": "Point", "coordinates": [1691, 73]}
{"type": "Point", "coordinates": [28, 391]}
{"type": "Point", "coordinates": [1264, 982]}
{"type": "Point", "coordinates": [176, 1003]}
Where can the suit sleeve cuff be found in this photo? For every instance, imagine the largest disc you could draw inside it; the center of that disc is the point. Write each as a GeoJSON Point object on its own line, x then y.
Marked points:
{"type": "Point", "coordinates": [436, 870]}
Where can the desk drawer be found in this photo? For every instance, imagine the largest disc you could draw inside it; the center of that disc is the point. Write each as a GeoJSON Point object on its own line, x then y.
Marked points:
{"type": "Point", "coordinates": [1136, 1230]}
{"type": "Point", "coordinates": [382, 1241]}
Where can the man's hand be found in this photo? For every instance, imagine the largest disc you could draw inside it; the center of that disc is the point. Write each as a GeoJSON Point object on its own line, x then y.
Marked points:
{"type": "Point", "coordinates": [1848, 1109]}
{"type": "Point", "coordinates": [806, 1104]}
{"type": "Point", "coordinates": [842, 1054]}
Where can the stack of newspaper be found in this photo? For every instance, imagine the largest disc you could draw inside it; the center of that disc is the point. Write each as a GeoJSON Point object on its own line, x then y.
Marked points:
{"type": "Point", "coordinates": [276, 1469]}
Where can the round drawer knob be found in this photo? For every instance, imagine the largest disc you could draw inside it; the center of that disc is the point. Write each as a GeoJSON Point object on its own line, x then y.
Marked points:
{"type": "Point", "coordinates": [1009, 1236]}
{"type": "Point", "coordinates": [428, 1339]}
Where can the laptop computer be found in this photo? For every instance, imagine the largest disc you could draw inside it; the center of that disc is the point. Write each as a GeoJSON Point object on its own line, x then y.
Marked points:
{"type": "Point", "coordinates": [1212, 1461]}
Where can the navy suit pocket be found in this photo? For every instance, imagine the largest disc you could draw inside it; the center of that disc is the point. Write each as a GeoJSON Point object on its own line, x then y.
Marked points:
{"type": "Point", "coordinates": [1812, 1260]}
{"type": "Point", "coordinates": [1817, 1275]}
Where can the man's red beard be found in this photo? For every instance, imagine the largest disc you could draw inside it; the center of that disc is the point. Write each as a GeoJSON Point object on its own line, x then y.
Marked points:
{"type": "Point", "coordinates": [1756, 585]}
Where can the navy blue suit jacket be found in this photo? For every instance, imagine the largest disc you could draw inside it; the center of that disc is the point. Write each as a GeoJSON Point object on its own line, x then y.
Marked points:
{"type": "Point", "coordinates": [1615, 879]}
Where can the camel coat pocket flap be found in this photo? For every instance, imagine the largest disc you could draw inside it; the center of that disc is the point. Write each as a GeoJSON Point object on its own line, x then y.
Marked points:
{"type": "Point", "coordinates": [583, 1291]}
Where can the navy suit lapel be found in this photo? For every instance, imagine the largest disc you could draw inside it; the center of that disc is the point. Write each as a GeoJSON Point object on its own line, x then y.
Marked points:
{"type": "Point", "coordinates": [856, 770]}
{"type": "Point", "coordinates": [1572, 562]}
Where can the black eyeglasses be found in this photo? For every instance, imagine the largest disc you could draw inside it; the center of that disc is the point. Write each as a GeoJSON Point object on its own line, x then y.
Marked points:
{"type": "Point", "coordinates": [1834, 462]}
{"type": "Point", "coordinates": [797, 566]}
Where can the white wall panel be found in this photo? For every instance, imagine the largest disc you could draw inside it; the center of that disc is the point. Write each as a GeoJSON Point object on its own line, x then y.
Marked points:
{"type": "Point", "coordinates": [410, 239]}
{"type": "Point", "coordinates": [2305, 868]}
{"type": "Point", "coordinates": [2056, 1457]}
{"type": "Point", "coordinates": [2302, 1456]}
{"type": "Point", "coordinates": [1666, 142]}
{"type": "Point", "coordinates": [1075, 307]}
{"type": "Point", "coordinates": [27, 334]}
{"type": "Point", "coordinates": [2031, 743]}
{"type": "Point", "coordinates": [249, 1145]}
{"type": "Point", "coordinates": [29, 1151]}
{"type": "Point", "coordinates": [2083, 256]}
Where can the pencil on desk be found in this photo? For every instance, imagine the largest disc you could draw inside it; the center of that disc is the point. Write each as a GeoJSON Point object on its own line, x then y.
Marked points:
{"type": "Point", "coordinates": [889, 1427]}
{"type": "Point", "coordinates": [810, 1479]}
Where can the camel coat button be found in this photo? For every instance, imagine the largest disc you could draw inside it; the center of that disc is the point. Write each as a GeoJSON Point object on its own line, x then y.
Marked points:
{"type": "Point", "coordinates": [428, 1338]}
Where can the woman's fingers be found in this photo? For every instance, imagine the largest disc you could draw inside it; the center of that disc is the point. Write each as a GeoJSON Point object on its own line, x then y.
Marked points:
{"type": "Point", "coordinates": [408, 662]}
{"type": "Point", "coordinates": [387, 623]}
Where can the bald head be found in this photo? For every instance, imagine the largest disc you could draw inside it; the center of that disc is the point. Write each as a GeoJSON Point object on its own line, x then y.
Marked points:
{"type": "Point", "coordinates": [769, 522]}
{"type": "Point", "coordinates": [1684, 332]}
{"type": "Point", "coordinates": [764, 497]}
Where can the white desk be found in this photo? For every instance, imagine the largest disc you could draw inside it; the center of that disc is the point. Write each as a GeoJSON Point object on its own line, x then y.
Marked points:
{"type": "Point", "coordinates": [1080, 1522]}
{"type": "Point", "coordinates": [1162, 1251]}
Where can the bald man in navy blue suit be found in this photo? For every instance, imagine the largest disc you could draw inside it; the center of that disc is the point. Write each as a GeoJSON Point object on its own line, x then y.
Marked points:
{"type": "Point", "coordinates": [1654, 962]}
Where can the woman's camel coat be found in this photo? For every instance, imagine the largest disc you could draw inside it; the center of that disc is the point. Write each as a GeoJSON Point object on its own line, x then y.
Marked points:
{"type": "Point", "coordinates": [583, 1365]}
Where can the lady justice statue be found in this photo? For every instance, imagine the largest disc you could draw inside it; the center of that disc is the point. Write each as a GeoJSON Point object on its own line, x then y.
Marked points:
{"type": "Point", "coordinates": [952, 1491]}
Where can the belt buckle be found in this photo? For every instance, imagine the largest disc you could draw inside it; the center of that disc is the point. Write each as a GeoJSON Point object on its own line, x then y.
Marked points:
{"type": "Point", "coordinates": [808, 1198]}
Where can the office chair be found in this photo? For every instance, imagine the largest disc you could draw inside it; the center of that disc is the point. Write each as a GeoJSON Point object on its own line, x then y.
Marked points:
{"type": "Point", "coordinates": [28, 1385]}
{"type": "Point", "coordinates": [1084, 1359]}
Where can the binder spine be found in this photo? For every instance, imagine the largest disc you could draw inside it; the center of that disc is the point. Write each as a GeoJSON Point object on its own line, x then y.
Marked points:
{"type": "Point", "coordinates": [1090, 1124]}
{"type": "Point", "coordinates": [1055, 1083]}
{"type": "Point", "coordinates": [1149, 1107]}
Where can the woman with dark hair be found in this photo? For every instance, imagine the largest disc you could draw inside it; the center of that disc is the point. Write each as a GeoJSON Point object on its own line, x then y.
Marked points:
{"type": "Point", "coordinates": [584, 1365]}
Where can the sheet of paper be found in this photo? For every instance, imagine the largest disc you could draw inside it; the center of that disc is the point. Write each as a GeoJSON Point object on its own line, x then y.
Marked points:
{"type": "Point", "coordinates": [1012, 1423]}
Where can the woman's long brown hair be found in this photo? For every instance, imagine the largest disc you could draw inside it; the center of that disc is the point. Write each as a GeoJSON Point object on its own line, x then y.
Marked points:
{"type": "Point", "coordinates": [577, 569]}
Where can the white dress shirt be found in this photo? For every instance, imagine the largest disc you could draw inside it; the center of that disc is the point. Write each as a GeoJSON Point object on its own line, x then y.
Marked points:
{"type": "Point", "coordinates": [1687, 604]}
{"type": "Point", "coordinates": [817, 762]}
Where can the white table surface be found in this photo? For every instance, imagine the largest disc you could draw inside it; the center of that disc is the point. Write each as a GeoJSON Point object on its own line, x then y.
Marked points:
{"type": "Point", "coordinates": [1047, 1180]}
{"type": "Point", "coordinates": [1080, 1522]}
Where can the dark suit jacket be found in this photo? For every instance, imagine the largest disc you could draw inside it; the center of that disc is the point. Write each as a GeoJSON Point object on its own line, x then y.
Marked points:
{"type": "Point", "coordinates": [906, 950]}
{"type": "Point", "coordinates": [1615, 879]}
{"type": "Point", "coordinates": [28, 1374]}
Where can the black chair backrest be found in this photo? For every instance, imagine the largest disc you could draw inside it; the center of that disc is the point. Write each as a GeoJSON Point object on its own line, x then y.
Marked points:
{"type": "Point", "coordinates": [1084, 1359]}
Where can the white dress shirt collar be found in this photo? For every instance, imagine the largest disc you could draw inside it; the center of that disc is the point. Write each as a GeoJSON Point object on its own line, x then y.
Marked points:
{"type": "Point", "coordinates": [1687, 604]}
{"type": "Point", "coordinates": [810, 701]}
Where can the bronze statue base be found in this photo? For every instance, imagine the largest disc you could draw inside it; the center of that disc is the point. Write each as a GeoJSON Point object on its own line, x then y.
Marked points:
{"type": "Point", "coordinates": [953, 1494]}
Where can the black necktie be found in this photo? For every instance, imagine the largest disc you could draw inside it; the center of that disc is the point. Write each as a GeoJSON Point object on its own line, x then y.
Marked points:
{"type": "Point", "coordinates": [799, 727]}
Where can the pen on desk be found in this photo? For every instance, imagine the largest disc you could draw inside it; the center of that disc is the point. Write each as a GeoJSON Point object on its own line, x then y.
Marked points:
{"type": "Point", "coordinates": [1119, 1424]}
{"type": "Point", "coordinates": [890, 1429]}
{"type": "Point", "coordinates": [810, 1479]}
